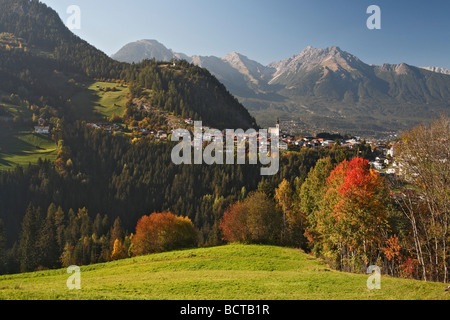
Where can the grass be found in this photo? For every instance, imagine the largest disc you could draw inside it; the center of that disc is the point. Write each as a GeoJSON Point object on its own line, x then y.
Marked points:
{"type": "Point", "coordinates": [15, 110]}
{"type": "Point", "coordinates": [231, 272]}
{"type": "Point", "coordinates": [92, 103]}
{"type": "Point", "coordinates": [19, 146]}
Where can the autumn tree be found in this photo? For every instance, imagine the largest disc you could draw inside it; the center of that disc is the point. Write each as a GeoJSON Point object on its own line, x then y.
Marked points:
{"type": "Point", "coordinates": [311, 194]}
{"type": "Point", "coordinates": [165, 231]}
{"type": "Point", "coordinates": [119, 251]}
{"type": "Point", "coordinates": [117, 233]}
{"type": "Point", "coordinates": [424, 157]}
{"type": "Point", "coordinates": [234, 223]}
{"type": "Point", "coordinates": [293, 220]}
{"type": "Point", "coordinates": [254, 220]}
{"type": "Point", "coordinates": [351, 219]}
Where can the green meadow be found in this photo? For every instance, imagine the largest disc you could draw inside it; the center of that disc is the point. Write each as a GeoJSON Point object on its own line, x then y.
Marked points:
{"type": "Point", "coordinates": [21, 146]}
{"type": "Point", "coordinates": [231, 272]}
{"type": "Point", "coordinates": [94, 103]}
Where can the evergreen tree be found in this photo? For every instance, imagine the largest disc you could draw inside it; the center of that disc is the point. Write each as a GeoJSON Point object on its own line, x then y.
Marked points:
{"type": "Point", "coordinates": [13, 259]}
{"type": "Point", "coordinates": [59, 220]}
{"type": "Point", "coordinates": [48, 245]}
{"type": "Point", "coordinates": [116, 233]}
{"type": "Point", "coordinates": [66, 256]}
{"type": "Point", "coordinates": [28, 244]}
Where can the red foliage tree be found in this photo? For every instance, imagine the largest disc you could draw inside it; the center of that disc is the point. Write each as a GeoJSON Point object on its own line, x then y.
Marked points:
{"type": "Point", "coordinates": [352, 217]}
{"type": "Point", "coordinates": [234, 223]}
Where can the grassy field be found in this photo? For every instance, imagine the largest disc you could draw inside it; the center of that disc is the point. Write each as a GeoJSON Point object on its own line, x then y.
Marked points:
{"type": "Point", "coordinates": [232, 272]}
{"type": "Point", "coordinates": [93, 103]}
{"type": "Point", "coordinates": [19, 146]}
{"type": "Point", "coordinates": [14, 110]}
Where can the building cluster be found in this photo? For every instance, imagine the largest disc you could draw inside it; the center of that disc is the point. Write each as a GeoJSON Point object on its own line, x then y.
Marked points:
{"type": "Point", "coordinates": [385, 162]}
{"type": "Point", "coordinates": [110, 127]}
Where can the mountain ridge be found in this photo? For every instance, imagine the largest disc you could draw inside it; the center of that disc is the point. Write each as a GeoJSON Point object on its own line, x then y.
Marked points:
{"type": "Point", "coordinates": [308, 59]}
{"type": "Point", "coordinates": [437, 70]}
{"type": "Point", "coordinates": [331, 89]}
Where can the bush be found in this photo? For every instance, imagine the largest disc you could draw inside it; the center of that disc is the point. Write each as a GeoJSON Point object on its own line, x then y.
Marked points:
{"type": "Point", "coordinates": [161, 232]}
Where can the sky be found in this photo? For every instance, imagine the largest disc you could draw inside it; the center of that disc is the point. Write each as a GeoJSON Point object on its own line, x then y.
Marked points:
{"type": "Point", "coordinates": [412, 31]}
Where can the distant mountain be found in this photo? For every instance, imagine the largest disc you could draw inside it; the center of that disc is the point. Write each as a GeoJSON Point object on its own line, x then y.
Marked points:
{"type": "Point", "coordinates": [331, 89]}
{"type": "Point", "coordinates": [144, 49]}
{"type": "Point", "coordinates": [242, 76]}
{"type": "Point", "coordinates": [437, 69]}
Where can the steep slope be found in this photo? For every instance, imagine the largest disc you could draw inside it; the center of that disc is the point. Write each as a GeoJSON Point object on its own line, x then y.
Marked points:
{"type": "Point", "coordinates": [51, 64]}
{"type": "Point", "coordinates": [332, 59]}
{"type": "Point", "coordinates": [242, 76]}
{"type": "Point", "coordinates": [330, 73]}
{"type": "Point", "coordinates": [254, 71]}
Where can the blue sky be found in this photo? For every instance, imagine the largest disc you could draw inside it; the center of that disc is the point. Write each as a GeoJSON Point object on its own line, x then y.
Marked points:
{"type": "Point", "coordinates": [415, 32]}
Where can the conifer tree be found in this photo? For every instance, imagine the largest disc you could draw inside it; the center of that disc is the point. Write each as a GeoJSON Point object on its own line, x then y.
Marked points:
{"type": "Point", "coordinates": [48, 245]}
{"type": "Point", "coordinates": [28, 244]}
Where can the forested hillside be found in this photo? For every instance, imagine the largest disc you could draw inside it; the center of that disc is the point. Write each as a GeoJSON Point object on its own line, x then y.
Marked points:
{"type": "Point", "coordinates": [109, 176]}
{"type": "Point", "coordinates": [50, 60]}
{"type": "Point", "coordinates": [42, 67]}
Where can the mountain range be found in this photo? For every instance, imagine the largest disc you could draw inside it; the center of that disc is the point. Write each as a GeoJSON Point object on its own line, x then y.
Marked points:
{"type": "Point", "coordinates": [321, 89]}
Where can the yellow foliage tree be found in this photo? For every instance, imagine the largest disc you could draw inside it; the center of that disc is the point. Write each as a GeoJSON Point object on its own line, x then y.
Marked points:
{"type": "Point", "coordinates": [118, 252]}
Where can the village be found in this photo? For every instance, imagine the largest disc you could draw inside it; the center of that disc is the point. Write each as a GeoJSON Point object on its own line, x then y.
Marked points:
{"type": "Point", "coordinates": [384, 150]}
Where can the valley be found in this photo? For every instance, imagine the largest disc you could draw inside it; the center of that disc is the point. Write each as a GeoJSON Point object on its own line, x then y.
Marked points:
{"type": "Point", "coordinates": [90, 182]}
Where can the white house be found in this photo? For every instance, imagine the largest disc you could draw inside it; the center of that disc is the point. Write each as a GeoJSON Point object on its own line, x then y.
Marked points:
{"type": "Point", "coordinates": [391, 171]}
{"type": "Point", "coordinates": [42, 130]}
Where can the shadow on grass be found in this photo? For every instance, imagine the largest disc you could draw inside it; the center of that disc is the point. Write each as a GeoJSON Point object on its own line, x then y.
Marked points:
{"type": "Point", "coordinates": [84, 102]}
{"type": "Point", "coordinates": [5, 163]}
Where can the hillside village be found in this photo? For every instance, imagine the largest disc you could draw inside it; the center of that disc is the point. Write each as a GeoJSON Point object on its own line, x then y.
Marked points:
{"type": "Point", "coordinates": [384, 151]}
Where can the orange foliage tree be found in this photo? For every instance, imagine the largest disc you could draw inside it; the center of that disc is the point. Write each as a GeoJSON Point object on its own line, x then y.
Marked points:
{"type": "Point", "coordinates": [234, 223]}
{"type": "Point", "coordinates": [352, 216]}
{"type": "Point", "coordinates": [164, 231]}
